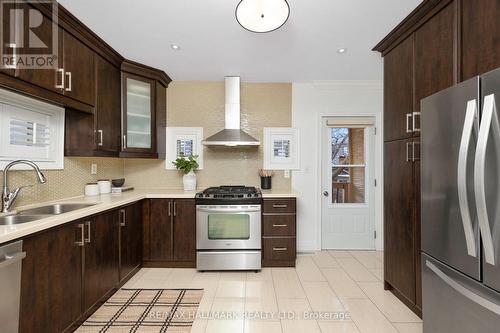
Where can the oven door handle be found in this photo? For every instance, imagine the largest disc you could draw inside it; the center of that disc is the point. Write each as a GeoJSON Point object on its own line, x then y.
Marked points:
{"type": "Point", "coordinates": [229, 210]}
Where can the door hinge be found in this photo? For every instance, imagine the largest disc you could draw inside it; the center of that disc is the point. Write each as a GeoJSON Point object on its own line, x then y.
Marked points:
{"type": "Point", "coordinates": [375, 234]}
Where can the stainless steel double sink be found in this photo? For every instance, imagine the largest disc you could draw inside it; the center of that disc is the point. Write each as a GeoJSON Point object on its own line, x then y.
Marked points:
{"type": "Point", "coordinates": [33, 214]}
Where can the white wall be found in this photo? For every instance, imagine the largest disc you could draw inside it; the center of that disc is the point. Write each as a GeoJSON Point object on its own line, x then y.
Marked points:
{"type": "Point", "coordinates": [310, 102]}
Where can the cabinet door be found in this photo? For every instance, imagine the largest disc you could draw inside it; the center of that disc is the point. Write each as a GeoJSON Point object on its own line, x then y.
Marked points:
{"type": "Point", "coordinates": [434, 53]}
{"type": "Point", "coordinates": [184, 230]}
{"type": "Point", "coordinates": [6, 39]}
{"type": "Point", "coordinates": [51, 280]}
{"type": "Point", "coordinates": [480, 37]}
{"type": "Point", "coordinates": [130, 239]}
{"type": "Point", "coordinates": [108, 106]}
{"type": "Point", "coordinates": [161, 229]}
{"type": "Point", "coordinates": [101, 272]}
{"type": "Point", "coordinates": [418, 257]}
{"type": "Point", "coordinates": [138, 114]}
{"type": "Point", "coordinates": [399, 268]}
{"type": "Point", "coordinates": [398, 90]}
{"type": "Point", "coordinates": [79, 70]}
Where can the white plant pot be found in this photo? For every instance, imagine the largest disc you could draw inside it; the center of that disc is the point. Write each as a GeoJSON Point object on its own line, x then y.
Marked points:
{"type": "Point", "coordinates": [189, 181]}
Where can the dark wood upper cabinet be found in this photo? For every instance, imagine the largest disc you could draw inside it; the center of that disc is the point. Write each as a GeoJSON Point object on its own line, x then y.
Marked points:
{"type": "Point", "coordinates": [434, 54]}
{"type": "Point", "coordinates": [184, 229]}
{"type": "Point", "coordinates": [51, 283]}
{"type": "Point", "coordinates": [399, 255]}
{"type": "Point", "coordinates": [398, 91]}
{"type": "Point", "coordinates": [130, 239]}
{"type": "Point", "coordinates": [108, 108]}
{"type": "Point", "coordinates": [79, 72]}
{"type": "Point", "coordinates": [101, 271]}
{"type": "Point", "coordinates": [480, 37]}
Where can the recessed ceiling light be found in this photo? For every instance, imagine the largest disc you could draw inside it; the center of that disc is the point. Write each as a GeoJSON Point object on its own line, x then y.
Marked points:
{"type": "Point", "coordinates": [175, 47]}
{"type": "Point", "coordinates": [342, 50]}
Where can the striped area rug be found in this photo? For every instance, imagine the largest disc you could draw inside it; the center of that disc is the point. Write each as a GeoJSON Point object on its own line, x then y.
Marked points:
{"type": "Point", "coordinates": [146, 310]}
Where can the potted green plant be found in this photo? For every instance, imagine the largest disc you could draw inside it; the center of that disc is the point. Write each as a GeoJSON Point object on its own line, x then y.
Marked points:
{"type": "Point", "coordinates": [187, 166]}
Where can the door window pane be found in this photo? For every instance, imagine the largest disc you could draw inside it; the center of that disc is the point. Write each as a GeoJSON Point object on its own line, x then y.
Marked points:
{"type": "Point", "coordinates": [348, 165]}
{"type": "Point", "coordinates": [138, 114]}
{"type": "Point", "coordinates": [228, 226]}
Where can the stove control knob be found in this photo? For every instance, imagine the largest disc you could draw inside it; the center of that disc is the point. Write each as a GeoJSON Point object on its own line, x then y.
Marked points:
{"type": "Point", "coordinates": [249, 195]}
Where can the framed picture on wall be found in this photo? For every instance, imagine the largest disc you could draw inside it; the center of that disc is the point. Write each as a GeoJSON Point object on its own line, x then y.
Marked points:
{"type": "Point", "coordinates": [183, 141]}
{"type": "Point", "coordinates": [281, 148]}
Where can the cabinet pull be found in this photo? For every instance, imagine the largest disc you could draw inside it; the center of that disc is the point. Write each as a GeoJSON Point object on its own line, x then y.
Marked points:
{"type": "Point", "coordinates": [60, 78]}
{"type": "Point", "coordinates": [408, 127]}
{"type": "Point", "coordinates": [123, 218]}
{"type": "Point", "coordinates": [169, 208]}
{"type": "Point", "coordinates": [280, 206]}
{"type": "Point", "coordinates": [87, 224]}
{"type": "Point", "coordinates": [413, 155]}
{"type": "Point", "coordinates": [414, 126]}
{"type": "Point", "coordinates": [124, 142]}
{"type": "Point", "coordinates": [279, 225]}
{"type": "Point", "coordinates": [408, 145]}
{"type": "Point", "coordinates": [175, 208]}
{"type": "Point", "coordinates": [280, 249]}
{"type": "Point", "coordinates": [68, 74]}
{"type": "Point", "coordinates": [82, 235]}
{"type": "Point", "coordinates": [100, 138]}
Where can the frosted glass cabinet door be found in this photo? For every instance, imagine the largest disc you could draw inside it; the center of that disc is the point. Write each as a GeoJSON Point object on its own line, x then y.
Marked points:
{"type": "Point", "coordinates": [138, 115]}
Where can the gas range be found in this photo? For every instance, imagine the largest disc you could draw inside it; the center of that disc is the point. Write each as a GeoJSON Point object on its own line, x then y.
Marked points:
{"type": "Point", "coordinates": [229, 195]}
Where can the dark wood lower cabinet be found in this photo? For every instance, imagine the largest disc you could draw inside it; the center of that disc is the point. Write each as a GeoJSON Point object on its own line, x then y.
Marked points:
{"type": "Point", "coordinates": [51, 282]}
{"type": "Point", "coordinates": [101, 272]}
{"type": "Point", "coordinates": [130, 240]}
{"type": "Point", "coordinates": [170, 232]}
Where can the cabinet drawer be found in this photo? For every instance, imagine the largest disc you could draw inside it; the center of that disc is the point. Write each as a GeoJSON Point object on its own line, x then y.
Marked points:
{"type": "Point", "coordinates": [279, 206]}
{"type": "Point", "coordinates": [279, 225]}
{"type": "Point", "coordinates": [279, 249]}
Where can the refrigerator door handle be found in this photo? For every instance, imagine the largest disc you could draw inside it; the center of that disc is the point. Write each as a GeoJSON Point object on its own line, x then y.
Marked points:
{"type": "Point", "coordinates": [463, 200]}
{"type": "Point", "coordinates": [487, 304]}
{"type": "Point", "coordinates": [490, 118]}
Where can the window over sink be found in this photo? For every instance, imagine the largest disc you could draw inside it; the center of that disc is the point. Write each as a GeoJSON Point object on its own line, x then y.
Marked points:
{"type": "Point", "coordinates": [30, 129]}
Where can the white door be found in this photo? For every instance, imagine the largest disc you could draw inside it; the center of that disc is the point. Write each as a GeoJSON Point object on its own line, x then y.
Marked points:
{"type": "Point", "coordinates": [348, 220]}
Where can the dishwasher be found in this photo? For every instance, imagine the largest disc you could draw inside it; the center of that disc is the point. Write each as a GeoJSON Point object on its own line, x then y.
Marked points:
{"type": "Point", "coordinates": [11, 256]}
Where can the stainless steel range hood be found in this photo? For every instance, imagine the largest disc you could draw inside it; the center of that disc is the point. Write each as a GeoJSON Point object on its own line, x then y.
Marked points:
{"type": "Point", "coordinates": [232, 135]}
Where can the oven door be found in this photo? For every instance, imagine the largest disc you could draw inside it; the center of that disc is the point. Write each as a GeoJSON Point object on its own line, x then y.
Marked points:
{"type": "Point", "coordinates": [235, 227]}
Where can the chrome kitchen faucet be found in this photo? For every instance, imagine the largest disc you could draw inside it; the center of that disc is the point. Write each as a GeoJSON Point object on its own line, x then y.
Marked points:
{"type": "Point", "coordinates": [9, 197]}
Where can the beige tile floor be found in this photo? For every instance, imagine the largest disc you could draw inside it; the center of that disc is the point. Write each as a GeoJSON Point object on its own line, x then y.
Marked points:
{"type": "Point", "coordinates": [328, 291]}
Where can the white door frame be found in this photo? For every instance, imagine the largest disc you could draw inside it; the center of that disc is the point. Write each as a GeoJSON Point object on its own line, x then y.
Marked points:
{"type": "Point", "coordinates": [378, 173]}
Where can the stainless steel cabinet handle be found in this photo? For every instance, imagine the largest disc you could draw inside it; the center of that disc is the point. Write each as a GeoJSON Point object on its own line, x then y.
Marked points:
{"type": "Point", "coordinates": [170, 208]}
{"type": "Point", "coordinates": [87, 224]}
{"type": "Point", "coordinates": [414, 157]}
{"type": "Point", "coordinates": [280, 249]}
{"type": "Point", "coordinates": [124, 142]}
{"type": "Point", "coordinates": [68, 74]}
{"type": "Point", "coordinates": [175, 208]}
{"type": "Point", "coordinates": [280, 206]}
{"type": "Point", "coordinates": [279, 225]}
{"type": "Point", "coordinates": [408, 145]}
{"type": "Point", "coordinates": [408, 128]}
{"type": "Point", "coordinates": [100, 138]}
{"type": "Point", "coordinates": [10, 259]}
{"type": "Point", "coordinates": [60, 78]}
{"type": "Point", "coordinates": [490, 119]}
{"type": "Point", "coordinates": [123, 218]}
{"type": "Point", "coordinates": [463, 200]}
{"type": "Point", "coordinates": [82, 235]}
{"type": "Point", "coordinates": [414, 121]}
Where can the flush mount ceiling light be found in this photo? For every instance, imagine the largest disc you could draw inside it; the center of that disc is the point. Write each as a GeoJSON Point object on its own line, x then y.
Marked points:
{"type": "Point", "coordinates": [262, 15]}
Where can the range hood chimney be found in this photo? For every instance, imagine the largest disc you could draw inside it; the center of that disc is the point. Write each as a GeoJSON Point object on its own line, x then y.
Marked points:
{"type": "Point", "coordinates": [231, 135]}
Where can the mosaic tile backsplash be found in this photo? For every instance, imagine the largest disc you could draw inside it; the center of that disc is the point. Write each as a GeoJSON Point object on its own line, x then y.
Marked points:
{"type": "Point", "coordinates": [65, 183]}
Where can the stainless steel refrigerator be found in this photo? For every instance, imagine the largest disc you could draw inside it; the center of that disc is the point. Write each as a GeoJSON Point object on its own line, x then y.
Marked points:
{"type": "Point", "coordinates": [461, 207]}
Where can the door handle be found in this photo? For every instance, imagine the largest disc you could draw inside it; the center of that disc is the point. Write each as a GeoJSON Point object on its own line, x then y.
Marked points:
{"type": "Point", "coordinates": [87, 224]}
{"type": "Point", "coordinates": [325, 193]}
{"type": "Point", "coordinates": [10, 259]}
{"type": "Point", "coordinates": [463, 200]}
{"type": "Point", "coordinates": [408, 127]}
{"type": "Point", "coordinates": [175, 208]}
{"type": "Point", "coordinates": [280, 206]}
{"type": "Point", "coordinates": [280, 249]}
{"type": "Point", "coordinates": [81, 242]}
{"type": "Point", "coordinates": [100, 137]}
{"type": "Point", "coordinates": [60, 78]}
{"type": "Point", "coordinates": [408, 145]}
{"type": "Point", "coordinates": [490, 118]}
{"type": "Point", "coordinates": [124, 142]}
{"type": "Point", "coordinates": [123, 218]}
{"type": "Point", "coordinates": [170, 208]}
{"type": "Point", "coordinates": [279, 225]}
{"type": "Point", "coordinates": [413, 155]}
{"type": "Point", "coordinates": [68, 74]}
{"type": "Point", "coordinates": [414, 121]}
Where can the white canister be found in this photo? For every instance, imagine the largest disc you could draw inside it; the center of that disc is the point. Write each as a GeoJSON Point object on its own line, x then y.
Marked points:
{"type": "Point", "coordinates": [104, 186]}
{"type": "Point", "coordinates": [91, 189]}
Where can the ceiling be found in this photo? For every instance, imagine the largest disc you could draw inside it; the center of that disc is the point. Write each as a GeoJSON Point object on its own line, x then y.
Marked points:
{"type": "Point", "coordinates": [213, 45]}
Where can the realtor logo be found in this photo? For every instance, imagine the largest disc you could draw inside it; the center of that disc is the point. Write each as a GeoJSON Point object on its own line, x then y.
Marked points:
{"type": "Point", "coordinates": [29, 34]}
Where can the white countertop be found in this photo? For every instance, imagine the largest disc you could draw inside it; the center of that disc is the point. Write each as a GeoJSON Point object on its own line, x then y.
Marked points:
{"type": "Point", "coordinates": [102, 203]}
